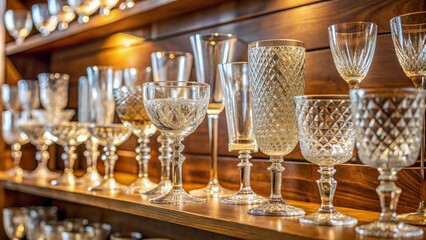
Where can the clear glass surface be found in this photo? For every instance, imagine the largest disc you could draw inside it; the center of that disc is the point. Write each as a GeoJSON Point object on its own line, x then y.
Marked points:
{"type": "Point", "coordinates": [352, 46]}
{"type": "Point", "coordinates": [69, 135]}
{"type": "Point", "coordinates": [127, 4]}
{"type": "Point", "coordinates": [326, 138]}
{"type": "Point", "coordinates": [176, 109]}
{"type": "Point", "coordinates": [29, 96]}
{"type": "Point", "coordinates": [52, 230]}
{"type": "Point", "coordinates": [43, 20]}
{"type": "Point", "coordinates": [62, 11]}
{"type": "Point", "coordinates": [53, 91]}
{"type": "Point", "coordinates": [75, 224]}
{"type": "Point", "coordinates": [19, 24]}
{"type": "Point", "coordinates": [84, 8]}
{"type": "Point", "coordinates": [276, 75]}
{"type": "Point", "coordinates": [171, 65]}
{"type": "Point", "coordinates": [209, 51]}
{"type": "Point", "coordinates": [106, 6]}
{"type": "Point", "coordinates": [98, 231]}
{"type": "Point", "coordinates": [130, 110]}
{"type": "Point", "coordinates": [239, 120]}
{"type": "Point", "coordinates": [13, 223]}
{"type": "Point", "coordinates": [388, 126]}
{"type": "Point", "coordinates": [35, 216]}
{"type": "Point", "coordinates": [409, 39]}
{"type": "Point", "coordinates": [109, 136]}
{"type": "Point", "coordinates": [136, 77]}
{"type": "Point", "coordinates": [9, 97]}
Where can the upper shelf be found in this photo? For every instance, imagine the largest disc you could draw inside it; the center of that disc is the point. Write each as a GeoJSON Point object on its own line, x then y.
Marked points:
{"type": "Point", "coordinates": [144, 12]}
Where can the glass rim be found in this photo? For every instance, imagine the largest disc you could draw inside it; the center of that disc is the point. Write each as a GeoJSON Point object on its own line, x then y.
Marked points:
{"type": "Point", "coordinates": [394, 19]}
{"type": "Point", "coordinates": [139, 87]}
{"type": "Point", "coordinates": [233, 63]}
{"type": "Point", "coordinates": [176, 84]}
{"type": "Point", "coordinates": [322, 97]}
{"type": "Point", "coordinates": [386, 91]}
{"type": "Point", "coordinates": [335, 26]}
{"type": "Point", "coordinates": [103, 67]}
{"type": "Point", "coordinates": [178, 53]}
{"type": "Point", "coordinates": [18, 11]}
{"type": "Point", "coordinates": [277, 43]}
{"type": "Point", "coordinates": [114, 125]}
{"type": "Point", "coordinates": [66, 75]}
{"type": "Point", "coordinates": [214, 34]}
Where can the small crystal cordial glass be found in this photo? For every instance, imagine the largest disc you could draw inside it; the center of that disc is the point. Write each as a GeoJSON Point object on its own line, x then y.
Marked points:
{"type": "Point", "coordinates": [326, 138]}
{"type": "Point", "coordinates": [19, 24]}
{"type": "Point", "coordinates": [176, 109]}
{"type": "Point", "coordinates": [388, 128]}
{"type": "Point", "coordinates": [236, 91]}
{"type": "Point", "coordinates": [276, 75]}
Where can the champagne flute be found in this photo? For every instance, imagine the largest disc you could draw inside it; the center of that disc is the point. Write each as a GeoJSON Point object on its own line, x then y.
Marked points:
{"type": "Point", "coordinates": [19, 24]}
{"type": "Point", "coordinates": [43, 20]}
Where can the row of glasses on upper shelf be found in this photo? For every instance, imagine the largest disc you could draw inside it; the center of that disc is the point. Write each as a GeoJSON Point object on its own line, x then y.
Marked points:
{"type": "Point", "coordinates": [56, 14]}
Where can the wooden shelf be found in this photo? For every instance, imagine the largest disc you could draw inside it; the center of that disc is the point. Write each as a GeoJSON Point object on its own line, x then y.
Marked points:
{"type": "Point", "coordinates": [210, 216]}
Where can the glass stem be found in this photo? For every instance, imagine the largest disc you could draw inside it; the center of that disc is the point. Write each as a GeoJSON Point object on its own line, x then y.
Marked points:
{"type": "Point", "coordinates": [110, 158]}
{"type": "Point", "coordinates": [16, 155]}
{"type": "Point", "coordinates": [213, 131]}
{"type": "Point", "coordinates": [91, 154]}
{"type": "Point", "coordinates": [245, 167]}
{"type": "Point", "coordinates": [165, 155]}
{"type": "Point", "coordinates": [327, 187]}
{"type": "Point", "coordinates": [69, 158]}
{"type": "Point", "coordinates": [143, 156]}
{"type": "Point", "coordinates": [177, 161]}
{"type": "Point", "coordinates": [42, 155]}
{"type": "Point", "coordinates": [276, 170]}
{"type": "Point", "coordinates": [388, 194]}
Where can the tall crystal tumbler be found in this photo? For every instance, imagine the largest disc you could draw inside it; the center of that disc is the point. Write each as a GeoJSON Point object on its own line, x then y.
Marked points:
{"type": "Point", "coordinates": [388, 126]}
{"type": "Point", "coordinates": [236, 90]}
{"type": "Point", "coordinates": [327, 138]}
{"type": "Point", "coordinates": [276, 75]}
{"type": "Point", "coordinates": [409, 39]}
{"type": "Point", "coordinates": [209, 51]}
{"type": "Point", "coordinates": [53, 92]}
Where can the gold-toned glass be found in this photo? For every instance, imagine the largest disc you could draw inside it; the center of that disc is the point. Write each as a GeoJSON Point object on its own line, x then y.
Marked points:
{"type": "Point", "coordinates": [62, 11]}
{"type": "Point", "coordinates": [326, 138]}
{"type": "Point", "coordinates": [19, 24]}
{"type": "Point", "coordinates": [106, 6]}
{"type": "Point", "coordinates": [276, 75]}
{"type": "Point", "coordinates": [44, 21]}
{"type": "Point", "coordinates": [388, 127]}
{"type": "Point", "coordinates": [84, 8]}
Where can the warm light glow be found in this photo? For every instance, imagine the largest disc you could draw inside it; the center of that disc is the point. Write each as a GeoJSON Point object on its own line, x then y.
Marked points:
{"type": "Point", "coordinates": [122, 40]}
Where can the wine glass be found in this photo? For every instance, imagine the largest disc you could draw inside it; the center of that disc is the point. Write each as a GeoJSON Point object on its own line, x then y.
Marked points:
{"type": "Point", "coordinates": [43, 20]}
{"type": "Point", "coordinates": [13, 137]}
{"type": "Point", "coordinates": [19, 24]}
{"type": "Point", "coordinates": [106, 6]}
{"type": "Point", "coordinates": [53, 91]}
{"type": "Point", "coordinates": [176, 109]}
{"type": "Point", "coordinates": [127, 4]}
{"type": "Point", "coordinates": [236, 90]}
{"type": "Point", "coordinates": [84, 8]}
{"type": "Point", "coordinates": [13, 222]}
{"type": "Point", "coordinates": [327, 138]}
{"type": "Point", "coordinates": [388, 128]}
{"type": "Point", "coordinates": [109, 136]}
{"type": "Point", "coordinates": [209, 51]}
{"type": "Point", "coordinates": [409, 39]}
{"type": "Point", "coordinates": [69, 135]}
{"type": "Point", "coordinates": [276, 75]}
{"type": "Point", "coordinates": [62, 11]}
{"type": "Point", "coordinates": [9, 95]}
{"type": "Point", "coordinates": [29, 96]}
{"type": "Point", "coordinates": [352, 46]}
{"type": "Point", "coordinates": [35, 217]}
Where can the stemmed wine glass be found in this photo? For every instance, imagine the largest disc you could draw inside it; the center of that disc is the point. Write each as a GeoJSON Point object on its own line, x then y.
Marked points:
{"type": "Point", "coordinates": [130, 110]}
{"type": "Point", "coordinates": [62, 11]}
{"type": "Point", "coordinates": [388, 128]}
{"type": "Point", "coordinates": [84, 8]}
{"type": "Point", "coordinates": [106, 6]}
{"type": "Point", "coordinates": [409, 39]}
{"type": "Point", "coordinates": [176, 109]}
{"type": "Point", "coordinates": [43, 20]}
{"type": "Point", "coordinates": [29, 97]}
{"type": "Point", "coordinates": [9, 95]}
{"type": "Point", "coordinates": [19, 24]}
{"type": "Point", "coordinates": [352, 46]}
{"type": "Point", "coordinates": [209, 51]}
{"type": "Point", "coordinates": [13, 222]}
{"type": "Point", "coordinates": [327, 138]}
{"type": "Point", "coordinates": [53, 92]}
{"type": "Point", "coordinates": [276, 75]}
{"type": "Point", "coordinates": [236, 90]}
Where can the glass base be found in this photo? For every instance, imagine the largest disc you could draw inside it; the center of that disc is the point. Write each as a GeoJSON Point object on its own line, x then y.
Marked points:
{"type": "Point", "coordinates": [67, 179]}
{"type": "Point", "coordinates": [141, 185]}
{"type": "Point", "coordinates": [15, 172]}
{"type": "Point", "coordinates": [328, 219]}
{"type": "Point", "coordinates": [109, 184]}
{"type": "Point", "coordinates": [276, 207]}
{"type": "Point", "coordinates": [244, 197]}
{"type": "Point", "coordinates": [389, 230]}
{"type": "Point", "coordinates": [415, 218]}
{"type": "Point", "coordinates": [162, 188]}
{"type": "Point", "coordinates": [42, 172]}
{"type": "Point", "coordinates": [91, 178]}
{"type": "Point", "coordinates": [213, 190]}
{"type": "Point", "coordinates": [178, 196]}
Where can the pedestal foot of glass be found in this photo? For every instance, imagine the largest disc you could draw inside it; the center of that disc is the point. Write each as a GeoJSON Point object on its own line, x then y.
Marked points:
{"type": "Point", "coordinates": [42, 172]}
{"type": "Point", "coordinates": [141, 185]}
{"type": "Point", "coordinates": [392, 229]}
{"type": "Point", "coordinates": [276, 207]}
{"type": "Point", "coordinates": [213, 189]}
{"type": "Point", "coordinates": [244, 197]}
{"type": "Point", "coordinates": [15, 172]}
{"type": "Point", "coordinates": [162, 188]}
{"type": "Point", "coordinates": [109, 184]}
{"type": "Point", "coordinates": [328, 219]}
{"type": "Point", "coordinates": [91, 177]}
{"type": "Point", "coordinates": [177, 195]}
{"type": "Point", "coordinates": [67, 179]}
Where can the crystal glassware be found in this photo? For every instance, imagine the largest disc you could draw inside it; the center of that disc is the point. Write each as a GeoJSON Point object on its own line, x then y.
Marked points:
{"type": "Point", "coordinates": [43, 20]}
{"type": "Point", "coordinates": [126, 236]}
{"type": "Point", "coordinates": [29, 96]}
{"type": "Point", "coordinates": [109, 136]}
{"type": "Point", "coordinates": [388, 128]}
{"type": "Point", "coordinates": [84, 8]}
{"type": "Point", "coordinates": [276, 75]}
{"type": "Point", "coordinates": [239, 120]}
{"type": "Point", "coordinates": [35, 217]}
{"type": "Point", "coordinates": [176, 109]}
{"type": "Point", "coordinates": [13, 137]}
{"type": "Point", "coordinates": [53, 91]}
{"type": "Point", "coordinates": [13, 222]}
{"type": "Point", "coordinates": [130, 110]}
{"type": "Point", "coordinates": [19, 24]}
{"type": "Point", "coordinates": [75, 224]}
{"type": "Point", "coordinates": [69, 135]}
{"type": "Point", "coordinates": [126, 4]}
{"type": "Point", "coordinates": [9, 96]}
{"type": "Point", "coordinates": [106, 6]}
{"type": "Point", "coordinates": [135, 77]}
{"type": "Point", "coordinates": [209, 51]}
{"type": "Point", "coordinates": [352, 46]}
{"type": "Point", "coordinates": [409, 38]}
{"type": "Point", "coordinates": [171, 65]}
{"type": "Point", "coordinates": [98, 231]}
{"type": "Point", "coordinates": [52, 230]}
{"type": "Point", "coordinates": [327, 138]}
{"type": "Point", "coordinates": [62, 11]}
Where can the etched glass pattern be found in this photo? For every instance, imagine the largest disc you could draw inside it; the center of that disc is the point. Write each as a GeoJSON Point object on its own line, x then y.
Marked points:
{"type": "Point", "coordinates": [53, 91]}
